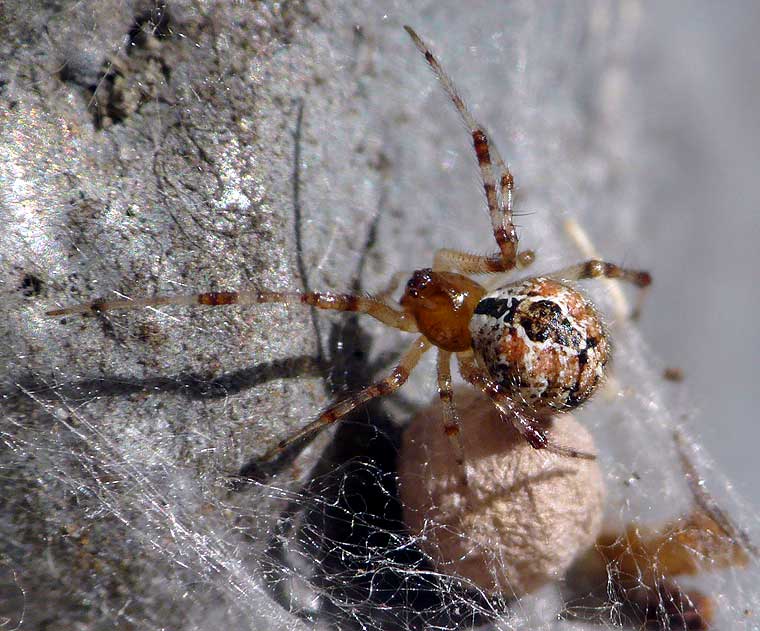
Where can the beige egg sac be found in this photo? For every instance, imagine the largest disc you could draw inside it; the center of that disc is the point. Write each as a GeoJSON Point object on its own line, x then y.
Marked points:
{"type": "Point", "coordinates": [524, 515]}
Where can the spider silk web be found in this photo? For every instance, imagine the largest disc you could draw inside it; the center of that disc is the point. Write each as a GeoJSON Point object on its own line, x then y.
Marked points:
{"type": "Point", "coordinates": [170, 147]}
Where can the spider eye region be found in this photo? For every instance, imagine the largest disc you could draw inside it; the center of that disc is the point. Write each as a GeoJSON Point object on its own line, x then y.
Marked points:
{"type": "Point", "coordinates": [541, 341]}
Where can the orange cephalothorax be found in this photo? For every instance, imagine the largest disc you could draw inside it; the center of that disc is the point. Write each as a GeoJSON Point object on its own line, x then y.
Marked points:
{"type": "Point", "coordinates": [442, 303]}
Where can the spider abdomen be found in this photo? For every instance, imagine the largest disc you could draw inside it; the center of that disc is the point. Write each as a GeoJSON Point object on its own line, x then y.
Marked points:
{"type": "Point", "coordinates": [542, 341]}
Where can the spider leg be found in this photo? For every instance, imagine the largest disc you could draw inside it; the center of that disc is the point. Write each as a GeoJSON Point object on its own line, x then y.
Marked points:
{"type": "Point", "coordinates": [512, 411]}
{"type": "Point", "coordinates": [374, 307]}
{"type": "Point", "coordinates": [594, 268]}
{"type": "Point", "coordinates": [506, 182]}
{"type": "Point", "coordinates": [338, 410]}
{"type": "Point", "coordinates": [451, 425]}
{"type": "Point", "coordinates": [500, 210]}
{"type": "Point", "coordinates": [448, 260]}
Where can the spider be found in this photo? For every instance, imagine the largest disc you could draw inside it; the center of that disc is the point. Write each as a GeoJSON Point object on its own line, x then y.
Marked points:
{"type": "Point", "coordinates": [536, 346]}
{"type": "Point", "coordinates": [640, 567]}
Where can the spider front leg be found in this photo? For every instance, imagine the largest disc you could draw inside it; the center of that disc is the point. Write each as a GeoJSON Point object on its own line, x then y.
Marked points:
{"type": "Point", "coordinates": [377, 308]}
{"type": "Point", "coordinates": [499, 208]}
{"type": "Point", "coordinates": [512, 411]}
{"type": "Point", "coordinates": [335, 412]}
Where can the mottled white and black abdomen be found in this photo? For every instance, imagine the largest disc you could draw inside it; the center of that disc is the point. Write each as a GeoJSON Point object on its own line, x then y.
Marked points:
{"type": "Point", "coordinates": [541, 341]}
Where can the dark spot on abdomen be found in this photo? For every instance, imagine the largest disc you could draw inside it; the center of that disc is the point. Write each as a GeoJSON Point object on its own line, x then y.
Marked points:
{"type": "Point", "coordinates": [543, 320]}
{"type": "Point", "coordinates": [498, 308]}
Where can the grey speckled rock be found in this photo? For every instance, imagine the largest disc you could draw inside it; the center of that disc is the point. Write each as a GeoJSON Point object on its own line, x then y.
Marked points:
{"type": "Point", "coordinates": [212, 146]}
{"type": "Point", "coordinates": [148, 152]}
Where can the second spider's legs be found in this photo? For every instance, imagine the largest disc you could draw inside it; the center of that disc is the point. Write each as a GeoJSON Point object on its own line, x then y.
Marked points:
{"type": "Point", "coordinates": [511, 411]}
{"type": "Point", "coordinates": [594, 268]}
{"type": "Point", "coordinates": [500, 210]}
{"type": "Point", "coordinates": [335, 412]}
{"type": "Point", "coordinates": [683, 547]}
{"type": "Point", "coordinates": [641, 564]}
{"type": "Point", "coordinates": [376, 308]}
{"type": "Point", "coordinates": [451, 425]}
